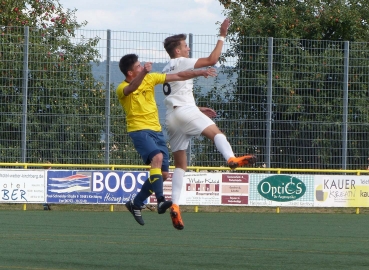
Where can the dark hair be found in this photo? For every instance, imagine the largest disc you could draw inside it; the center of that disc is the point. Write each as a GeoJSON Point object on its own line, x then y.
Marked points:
{"type": "Point", "coordinates": [172, 42]}
{"type": "Point", "coordinates": [126, 63]}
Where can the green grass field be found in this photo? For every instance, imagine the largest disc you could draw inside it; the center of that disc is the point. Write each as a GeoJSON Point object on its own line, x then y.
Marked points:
{"type": "Point", "coordinates": [113, 240]}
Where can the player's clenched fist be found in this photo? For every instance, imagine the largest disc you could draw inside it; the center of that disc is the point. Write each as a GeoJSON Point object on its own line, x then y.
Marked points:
{"type": "Point", "coordinates": [148, 67]}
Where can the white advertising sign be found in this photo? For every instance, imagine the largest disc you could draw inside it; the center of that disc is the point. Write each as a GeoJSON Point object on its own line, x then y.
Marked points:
{"type": "Point", "coordinates": [210, 189]}
{"type": "Point", "coordinates": [341, 191]}
{"type": "Point", "coordinates": [22, 186]}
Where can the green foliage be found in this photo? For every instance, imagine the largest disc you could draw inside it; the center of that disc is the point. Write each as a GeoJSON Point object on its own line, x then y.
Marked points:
{"type": "Point", "coordinates": [47, 15]}
{"type": "Point", "coordinates": [307, 82]}
{"type": "Point", "coordinates": [66, 104]}
{"type": "Point", "coordinates": [314, 19]}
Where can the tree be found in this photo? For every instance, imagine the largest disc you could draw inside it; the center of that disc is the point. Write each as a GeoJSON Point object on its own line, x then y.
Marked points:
{"type": "Point", "coordinates": [307, 79]}
{"type": "Point", "coordinates": [312, 20]}
{"type": "Point", "coordinates": [66, 104]}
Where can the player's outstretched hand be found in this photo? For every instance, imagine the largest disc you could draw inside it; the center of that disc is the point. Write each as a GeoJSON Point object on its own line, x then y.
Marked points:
{"type": "Point", "coordinates": [147, 67]}
{"type": "Point", "coordinates": [224, 27]}
{"type": "Point", "coordinates": [210, 72]}
{"type": "Point", "coordinates": [208, 112]}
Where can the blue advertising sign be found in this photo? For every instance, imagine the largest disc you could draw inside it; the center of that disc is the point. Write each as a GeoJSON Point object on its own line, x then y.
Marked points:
{"type": "Point", "coordinates": [93, 187]}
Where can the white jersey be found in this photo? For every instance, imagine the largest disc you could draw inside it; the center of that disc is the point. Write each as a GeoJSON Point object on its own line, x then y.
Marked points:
{"type": "Point", "coordinates": [179, 93]}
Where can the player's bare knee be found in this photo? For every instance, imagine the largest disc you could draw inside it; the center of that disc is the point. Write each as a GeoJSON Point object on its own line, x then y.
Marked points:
{"type": "Point", "coordinates": [211, 131]}
{"type": "Point", "coordinates": [157, 160]}
{"type": "Point", "coordinates": [158, 157]}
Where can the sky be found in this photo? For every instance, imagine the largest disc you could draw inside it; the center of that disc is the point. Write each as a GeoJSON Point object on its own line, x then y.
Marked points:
{"type": "Point", "coordinates": [198, 17]}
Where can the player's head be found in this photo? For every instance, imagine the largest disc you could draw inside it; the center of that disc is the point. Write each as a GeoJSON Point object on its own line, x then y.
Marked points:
{"type": "Point", "coordinates": [128, 64]}
{"type": "Point", "coordinates": [176, 46]}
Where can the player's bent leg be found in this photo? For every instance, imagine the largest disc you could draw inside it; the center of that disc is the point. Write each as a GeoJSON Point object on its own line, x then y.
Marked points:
{"type": "Point", "coordinates": [156, 180]}
{"type": "Point", "coordinates": [220, 140]}
{"type": "Point", "coordinates": [163, 205]}
{"type": "Point", "coordinates": [211, 131]}
{"type": "Point", "coordinates": [146, 191]}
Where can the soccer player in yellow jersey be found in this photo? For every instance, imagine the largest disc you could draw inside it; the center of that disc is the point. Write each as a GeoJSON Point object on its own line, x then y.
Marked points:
{"type": "Point", "coordinates": [136, 94]}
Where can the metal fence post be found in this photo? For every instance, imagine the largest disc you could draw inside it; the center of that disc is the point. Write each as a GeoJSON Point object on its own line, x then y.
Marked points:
{"type": "Point", "coordinates": [107, 98]}
{"type": "Point", "coordinates": [189, 148]}
{"type": "Point", "coordinates": [190, 44]}
{"type": "Point", "coordinates": [25, 93]}
{"type": "Point", "coordinates": [268, 150]}
{"type": "Point", "coordinates": [345, 103]}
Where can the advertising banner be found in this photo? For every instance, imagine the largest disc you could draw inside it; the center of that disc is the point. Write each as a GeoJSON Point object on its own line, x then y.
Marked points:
{"type": "Point", "coordinates": [341, 191]}
{"type": "Point", "coordinates": [210, 189]}
{"type": "Point", "coordinates": [93, 187]}
{"type": "Point", "coordinates": [281, 190]}
{"type": "Point", "coordinates": [237, 189]}
{"type": "Point", "coordinates": [22, 186]}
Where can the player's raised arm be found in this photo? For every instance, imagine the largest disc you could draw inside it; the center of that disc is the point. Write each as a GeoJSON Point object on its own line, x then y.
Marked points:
{"type": "Point", "coordinates": [213, 58]}
{"type": "Point", "coordinates": [189, 74]}
{"type": "Point", "coordinates": [136, 82]}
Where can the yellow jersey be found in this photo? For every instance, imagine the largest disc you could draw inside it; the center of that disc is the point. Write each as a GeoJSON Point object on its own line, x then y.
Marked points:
{"type": "Point", "coordinates": [140, 106]}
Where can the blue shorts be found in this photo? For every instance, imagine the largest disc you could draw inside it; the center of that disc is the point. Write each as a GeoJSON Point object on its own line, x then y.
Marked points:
{"type": "Point", "coordinates": [149, 143]}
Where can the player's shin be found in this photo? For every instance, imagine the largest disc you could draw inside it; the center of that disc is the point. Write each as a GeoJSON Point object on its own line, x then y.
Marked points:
{"type": "Point", "coordinates": [156, 180]}
{"type": "Point", "coordinates": [177, 183]}
{"type": "Point", "coordinates": [146, 191]}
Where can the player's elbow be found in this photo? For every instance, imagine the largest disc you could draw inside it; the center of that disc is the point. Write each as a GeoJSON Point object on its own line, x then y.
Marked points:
{"type": "Point", "coordinates": [212, 60]}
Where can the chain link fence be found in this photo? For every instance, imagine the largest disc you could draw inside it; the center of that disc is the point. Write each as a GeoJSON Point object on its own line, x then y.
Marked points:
{"type": "Point", "coordinates": [293, 103]}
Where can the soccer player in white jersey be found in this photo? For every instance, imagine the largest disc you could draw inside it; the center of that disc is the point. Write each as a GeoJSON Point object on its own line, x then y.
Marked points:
{"type": "Point", "coordinates": [185, 120]}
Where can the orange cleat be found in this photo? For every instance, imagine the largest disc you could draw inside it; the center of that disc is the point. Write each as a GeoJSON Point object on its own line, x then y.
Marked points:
{"type": "Point", "coordinates": [234, 162]}
{"type": "Point", "coordinates": [175, 214]}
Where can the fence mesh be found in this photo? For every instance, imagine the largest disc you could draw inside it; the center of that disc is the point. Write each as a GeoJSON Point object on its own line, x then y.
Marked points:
{"type": "Point", "coordinates": [293, 103]}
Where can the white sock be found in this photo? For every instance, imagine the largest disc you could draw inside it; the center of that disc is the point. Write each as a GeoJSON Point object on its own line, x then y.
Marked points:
{"type": "Point", "coordinates": [177, 183]}
{"type": "Point", "coordinates": [223, 146]}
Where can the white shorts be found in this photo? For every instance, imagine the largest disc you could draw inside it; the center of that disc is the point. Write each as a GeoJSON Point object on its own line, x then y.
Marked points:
{"type": "Point", "coordinates": [183, 123]}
